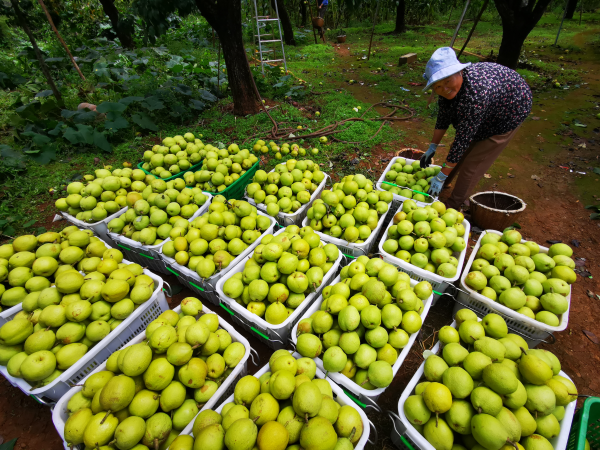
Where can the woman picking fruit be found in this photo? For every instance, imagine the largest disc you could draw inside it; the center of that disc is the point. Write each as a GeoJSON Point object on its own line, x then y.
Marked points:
{"type": "Point", "coordinates": [486, 103]}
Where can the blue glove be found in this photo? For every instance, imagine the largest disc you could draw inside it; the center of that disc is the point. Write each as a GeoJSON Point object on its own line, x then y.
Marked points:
{"type": "Point", "coordinates": [436, 184]}
{"type": "Point", "coordinates": [428, 156]}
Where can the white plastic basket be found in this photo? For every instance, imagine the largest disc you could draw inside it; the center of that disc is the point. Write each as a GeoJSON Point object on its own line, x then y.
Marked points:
{"type": "Point", "coordinates": [356, 250]}
{"type": "Point", "coordinates": [418, 440]}
{"type": "Point", "coordinates": [274, 336]}
{"type": "Point", "coordinates": [130, 327]}
{"type": "Point", "coordinates": [364, 395]}
{"type": "Point", "coordinates": [149, 255]}
{"type": "Point", "coordinates": [440, 284]}
{"type": "Point", "coordinates": [99, 228]}
{"type": "Point", "coordinates": [338, 395]}
{"type": "Point", "coordinates": [206, 288]}
{"type": "Point", "coordinates": [296, 218]}
{"type": "Point", "coordinates": [532, 330]}
{"type": "Point", "coordinates": [60, 415]}
{"type": "Point", "coordinates": [399, 198]}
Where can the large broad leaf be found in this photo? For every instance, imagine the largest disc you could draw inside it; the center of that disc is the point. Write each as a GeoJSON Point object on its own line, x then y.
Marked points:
{"type": "Point", "coordinates": [11, 158]}
{"type": "Point", "coordinates": [45, 155]}
{"type": "Point", "coordinates": [111, 107]}
{"type": "Point", "coordinates": [152, 103]}
{"type": "Point", "coordinates": [4, 80]}
{"type": "Point", "coordinates": [101, 70]}
{"type": "Point", "coordinates": [144, 121]}
{"type": "Point", "coordinates": [100, 141]}
{"type": "Point", "coordinates": [144, 60]}
{"type": "Point", "coordinates": [28, 111]}
{"type": "Point", "coordinates": [130, 100]}
{"type": "Point", "coordinates": [52, 60]}
{"type": "Point", "coordinates": [177, 68]}
{"type": "Point", "coordinates": [57, 129]}
{"type": "Point", "coordinates": [208, 96]}
{"type": "Point", "coordinates": [183, 89]}
{"type": "Point", "coordinates": [197, 104]}
{"type": "Point", "coordinates": [83, 116]}
{"type": "Point", "coordinates": [46, 93]}
{"type": "Point", "coordinates": [84, 134]}
{"type": "Point", "coordinates": [117, 124]}
{"type": "Point", "coordinates": [38, 139]}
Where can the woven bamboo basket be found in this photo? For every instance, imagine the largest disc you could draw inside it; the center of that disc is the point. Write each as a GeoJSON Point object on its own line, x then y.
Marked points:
{"type": "Point", "coordinates": [492, 210]}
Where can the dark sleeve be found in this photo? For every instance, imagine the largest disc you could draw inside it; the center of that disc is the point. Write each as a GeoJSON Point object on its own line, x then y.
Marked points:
{"type": "Point", "coordinates": [443, 118]}
{"type": "Point", "coordinates": [472, 116]}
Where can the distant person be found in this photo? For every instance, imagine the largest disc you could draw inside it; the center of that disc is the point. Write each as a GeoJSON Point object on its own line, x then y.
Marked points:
{"type": "Point", "coordinates": [486, 103]}
{"type": "Point", "coordinates": [323, 4]}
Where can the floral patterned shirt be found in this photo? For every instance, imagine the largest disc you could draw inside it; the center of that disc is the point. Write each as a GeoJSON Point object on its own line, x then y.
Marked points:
{"type": "Point", "coordinates": [493, 100]}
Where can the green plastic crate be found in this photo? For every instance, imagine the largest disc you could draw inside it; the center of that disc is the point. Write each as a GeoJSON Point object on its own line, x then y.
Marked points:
{"type": "Point", "coordinates": [586, 425]}
{"type": "Point", "coordinates": [179, 175]}
{"type": "Point", "coordinates": [237, 189]}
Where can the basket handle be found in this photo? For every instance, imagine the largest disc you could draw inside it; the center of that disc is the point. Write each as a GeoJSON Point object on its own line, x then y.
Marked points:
{"type": "Point", "coordinates": [374, 431]}
{"type": "Point", "coordinates": [252, 354]}
{"type": "Point", "coordinates": [169, 290]}
{"type": "Point", "coordinates": [396, 420]}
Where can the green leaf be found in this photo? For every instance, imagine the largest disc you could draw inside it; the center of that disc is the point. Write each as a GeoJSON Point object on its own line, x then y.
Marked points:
{"type": "Point", "coordinates": [207, 96]}
{"type": "Point", "coordinates": [46, 154]}
{"type": "Point", "coordinates": [111, 107]}
{"type": "Point", "coordinates": [183, 89]}
{"type": "Point", "coordinates": [197, 104]}
{"type": "Point", "coordinates": [11, 158]}
{"type": "Point", "coordinates": [130, 100]}
{"type": "Point", "coordinates": [82, 135]}
{"type": "Point", "coordinates": [46, 93]}
{"type": "Point", "coordinates": [8, 231]}
{"type": "Point", "coordinates": [117, 124]}
{"type": "Point", "coordinates": [597, 170]}
{"type": "Point", "coordinates": [144, 121]}
{"type": "Point", "coordinates": [152, 103]}
{"type": "Point", "coordinates": [596, 207]}
{"type": "Point", "coordinates": [595, 216]}
{"type": "Point", "coordinates": [101, 70]}
{"type": "Point", "coordinates": [38, 139]}
{"type": "Point", "coordinates": [100, 141]}
{"type": "Point", "coordinates": [28, 224]}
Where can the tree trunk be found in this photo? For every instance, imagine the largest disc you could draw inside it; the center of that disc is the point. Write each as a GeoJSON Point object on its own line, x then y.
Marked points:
{"type": "Point", "coordinates": [23, 22]}
{"type": "Point", "coordinates": [286, 24]}
{"type": "Point", "coordinates": [400, 17]}
{"type": "Point", "coordinates": [518, 19]}
{"type": "Point", "coordinates": [225, 16]}
{"type": "Point", "coordinates": [303, 13]}
{"type": "Point", "coordinates": [113, 14]}
{"type": "Point", "coordinates": [571, 7]}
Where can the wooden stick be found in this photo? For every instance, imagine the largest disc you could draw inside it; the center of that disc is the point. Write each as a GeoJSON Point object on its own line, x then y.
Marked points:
{"type": "Point", "coordinates": [561, 22]}
{"type": "Point", "coordinates": [41, 2]}
{"type": "Point", "coordinates": [580, 11]}
{"type": "Point", "coordinates": [373, 29]}
{"type": "Point", "coordinates": [23, 22]}
{"type": "Point", "coordinates": [485, 3]}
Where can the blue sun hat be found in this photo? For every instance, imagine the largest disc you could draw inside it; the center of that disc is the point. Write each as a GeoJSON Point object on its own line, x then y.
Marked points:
{"type": "Point", "coordinates": [442, 64]}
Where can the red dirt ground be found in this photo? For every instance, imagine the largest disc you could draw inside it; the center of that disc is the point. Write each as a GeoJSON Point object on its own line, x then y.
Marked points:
{"type": "Point", "coordinates": [554, 212]}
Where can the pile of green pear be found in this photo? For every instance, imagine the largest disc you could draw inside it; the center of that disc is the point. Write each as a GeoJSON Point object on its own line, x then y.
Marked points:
{"type": "Point", "coordinates": [427, 238]}
{"type": "Point", "coordinates": [364, 321]}
{"type": "Point", "coordinates": [281, 272]}
{"type": "Point", "coordinates": [151, 391]}
{"type": "Point", "coordinates": [488, 390]}
{"type": "Point", "coordinates": [222, 167]}
{"type": "Point", "coordinates": [158, 211]}
{"type": "Point", "coordinates": [102, 194]}
{"type": "Point", "coordinates": [287, 187]}
{"type": "Point", "coordinates": [69, 313]}
{"type": "Point", "coordinates": [412, 177]}
{"type": "Point", "coordinates": [350, 211]}
{"type": "Point", "coordinates": [31, 264]}
{"type": "Point", "coordinates": [212, 241]}
{"type": "Point", "coordinates": [176, 154]}
{"type": "Point", "coordinates": [287, 408]}
{"type": "Point", "coordinates": [520, 277]}
{"type": "Point", "coordinates": [279, 151]}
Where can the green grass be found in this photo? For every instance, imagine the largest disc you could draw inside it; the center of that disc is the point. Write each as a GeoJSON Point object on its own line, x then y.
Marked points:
{"type": "Point", "coordinates": [26, 195]}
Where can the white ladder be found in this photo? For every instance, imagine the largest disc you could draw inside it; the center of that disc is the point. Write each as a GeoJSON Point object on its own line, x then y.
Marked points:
{"type": "Point", "coordinates": [261, 23]}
